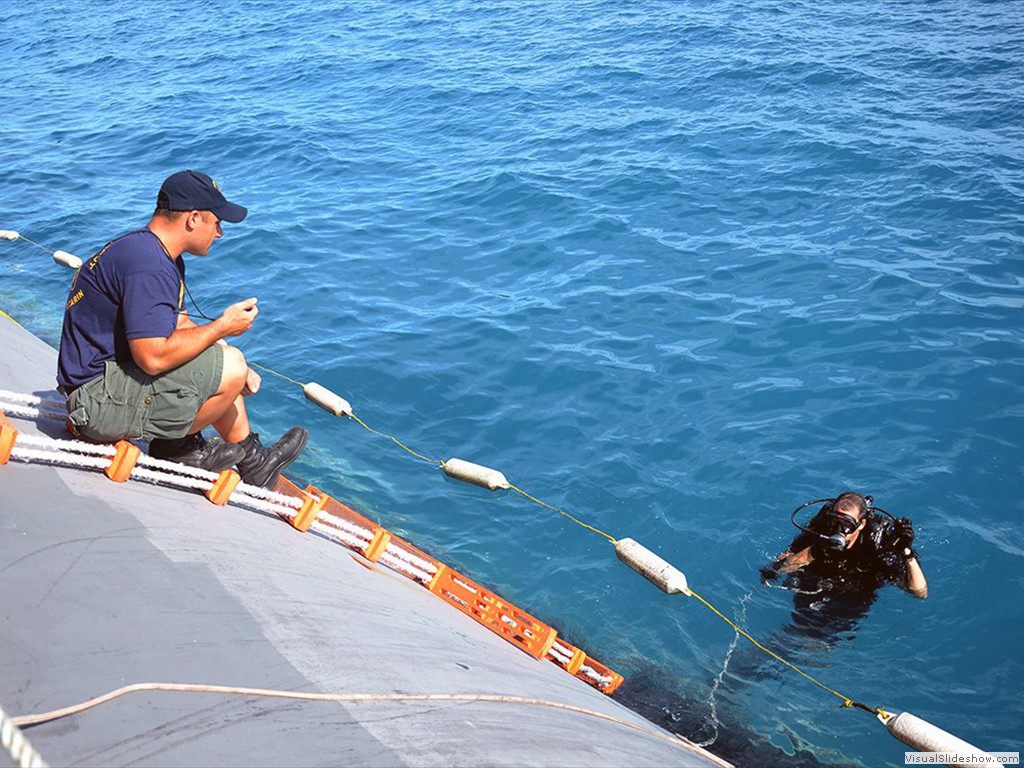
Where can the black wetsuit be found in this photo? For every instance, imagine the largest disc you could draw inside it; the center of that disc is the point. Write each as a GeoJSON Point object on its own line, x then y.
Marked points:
{"type": "Point", "coordinates": [872, 561]}
{"type": "Point", "coordinates": [835, 590]}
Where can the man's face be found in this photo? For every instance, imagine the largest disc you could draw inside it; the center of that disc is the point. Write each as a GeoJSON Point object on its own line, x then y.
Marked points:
{"type": "Point", "coordinates": [849, 524]}
{"type": "Point", "coordinates": [204, 228]}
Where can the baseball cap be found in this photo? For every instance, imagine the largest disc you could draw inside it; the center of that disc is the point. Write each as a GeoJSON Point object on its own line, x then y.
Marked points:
{"type": "Point", "coordinates": [195, 191]}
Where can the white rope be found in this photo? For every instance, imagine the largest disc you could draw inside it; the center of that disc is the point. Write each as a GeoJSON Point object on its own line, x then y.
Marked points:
{"type": "Point", "coordinates": [337, 535]}
{"type": "Point", "coordinates": [177, 468]}
{"type": "Point", "coordinates": [17, 745]}
{"type": "Point", "coordinates": [560, 653]}
{"type": "Point", "coordinates": [402, 567]}
{"type": "Point", "coordinates": [261, 505]}
{"type": "Point", "coordinates": [464, 585]}
{"type": "Point", "coordinates": [29, 412]}
{"type": "Point", "coordinates": [268, 495]}
{"type": "Point", "coordinates": [75, 446]}
{"type": "Point", "coordinates": [20, 397]}
{"type": "Point", "coordinates": [397, 551]}
{"type": "Point", "coordinates": [594, 675]}
{"type": "Point", "coordinates": [36, 454]}
{"type": "Point", "coordinates": [348, 527]}
{"type": "Point", "coordinates": [139, 473]}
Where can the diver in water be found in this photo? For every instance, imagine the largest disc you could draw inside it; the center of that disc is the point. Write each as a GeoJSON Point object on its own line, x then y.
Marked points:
{"type": "Point", "coordinates": [851, 546]}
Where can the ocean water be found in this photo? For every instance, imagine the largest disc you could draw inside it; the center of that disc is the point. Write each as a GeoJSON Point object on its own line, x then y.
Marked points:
{"type": "Point", "coordinates": [673, 267]}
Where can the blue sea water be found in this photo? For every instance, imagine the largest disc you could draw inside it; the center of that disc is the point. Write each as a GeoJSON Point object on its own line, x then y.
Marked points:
{"type": "Point", "coordinates": [673, 267]}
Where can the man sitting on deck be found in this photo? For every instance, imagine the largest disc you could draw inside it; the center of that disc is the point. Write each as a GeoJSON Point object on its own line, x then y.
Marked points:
{"type": "Point", "coordinates": [133, 365]}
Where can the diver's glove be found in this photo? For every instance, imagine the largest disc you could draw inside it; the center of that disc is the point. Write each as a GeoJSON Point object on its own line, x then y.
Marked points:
{"type": "Point", "coordinates": [769, 573]}
{"type": "Point", "coordinates": [903, 534]}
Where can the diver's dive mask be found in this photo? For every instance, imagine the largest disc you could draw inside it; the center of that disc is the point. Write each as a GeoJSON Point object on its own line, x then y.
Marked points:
{"type": "Point", "coordinates": [837, 526]}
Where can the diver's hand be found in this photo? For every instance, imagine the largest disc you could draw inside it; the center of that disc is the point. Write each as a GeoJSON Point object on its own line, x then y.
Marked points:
{"type": "Point", "coordinates": [904, 537]}
{"type": "Point", "coordinates": [768, 573]}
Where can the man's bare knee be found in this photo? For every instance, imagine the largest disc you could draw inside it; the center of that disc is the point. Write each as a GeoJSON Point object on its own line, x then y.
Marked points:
{"type": "Point", "coordinates": [232, 378]}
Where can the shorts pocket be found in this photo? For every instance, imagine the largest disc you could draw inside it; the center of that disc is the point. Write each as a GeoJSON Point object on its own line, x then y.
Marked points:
{"type": "Point", "coordinates": [107, 408]}
{"type": "Point", "coordinates": [124, 385]}
{"type": "Point", "coordinates": [79, 407]}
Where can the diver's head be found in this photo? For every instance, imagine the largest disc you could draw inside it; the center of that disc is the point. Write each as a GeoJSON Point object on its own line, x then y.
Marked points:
{"type": "Point", "coordinates": [844, 520]}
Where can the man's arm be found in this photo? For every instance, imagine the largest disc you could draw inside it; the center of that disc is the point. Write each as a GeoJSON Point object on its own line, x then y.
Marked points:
{"type": "Point", "coordinates": [158, 355]}
{"type": "Point", "coordinates": [252, 380]}
{"type": "Point", "coordinates": [787, 562]}
{"type": "Point", "coordinates": [915, 583]}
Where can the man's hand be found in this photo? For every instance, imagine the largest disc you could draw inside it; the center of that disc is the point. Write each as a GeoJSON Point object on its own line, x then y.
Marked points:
{"type": "Point", "coordinates": [904, 534]}
{"type": "Point", "coordinates": [789, 562]}
{"type": "Point", "coordinates": [252, 383]}
{"type": "Point", "coordinates": [237, 319]}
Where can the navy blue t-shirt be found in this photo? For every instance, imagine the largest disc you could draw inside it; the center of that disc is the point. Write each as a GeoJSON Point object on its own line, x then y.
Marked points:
{"type": "Point", "coordinates": [131, 289]}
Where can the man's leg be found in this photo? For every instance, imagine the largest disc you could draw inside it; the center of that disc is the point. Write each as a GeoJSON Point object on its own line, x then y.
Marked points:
{"type": "Point", "coordinates": [218, 408]}
{"type": "Point", "coordinates": [225, 409]}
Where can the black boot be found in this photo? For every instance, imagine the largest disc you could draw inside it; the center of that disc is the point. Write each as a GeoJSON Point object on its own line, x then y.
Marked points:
{"type": "Point", "coordinates": [262, 466]}
{"type": "Point", "coordinates": [194, 451]}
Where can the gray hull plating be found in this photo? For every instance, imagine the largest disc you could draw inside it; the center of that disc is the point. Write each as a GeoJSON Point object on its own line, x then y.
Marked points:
{"type": "Point", "coordinates": [104, 585]}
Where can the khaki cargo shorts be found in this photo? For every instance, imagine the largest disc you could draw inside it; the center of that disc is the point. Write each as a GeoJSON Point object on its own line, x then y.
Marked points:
{"type": "Point", "coordinates": [125, 402]}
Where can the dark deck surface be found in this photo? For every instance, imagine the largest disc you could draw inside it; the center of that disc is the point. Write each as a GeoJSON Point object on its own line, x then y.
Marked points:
{"type": "Point", "coordinates": [103, 585]}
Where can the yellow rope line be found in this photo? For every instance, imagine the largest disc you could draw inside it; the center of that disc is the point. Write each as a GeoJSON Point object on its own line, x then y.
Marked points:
{"type": "Point", "coordinates": [847, 701]}
{"type": "Point", "coordinates": [37, 245]}
{"type": "Point", "coordinates": [362, 423]}
{"type": "Point", "coordinates": [275, 373]}
{"type": "Point", "coordinates": [395, 440]}
{"type": "Point", "coordinates": [562, 512]}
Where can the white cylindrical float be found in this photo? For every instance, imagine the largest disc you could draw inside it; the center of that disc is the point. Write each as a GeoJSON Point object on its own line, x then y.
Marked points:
{"type": "Point", "coordinates": [327, 400]}
{"type": "Point", "coordinates": [476, 474]}
{"type": "Point", "coordinates": [925, 737]}
{"type": "Point", "coordinates": [659, 572]}
{"type": "Point", "coordinates": [66, 259]}
{"type": "Point", "coordinates": [8, 234]}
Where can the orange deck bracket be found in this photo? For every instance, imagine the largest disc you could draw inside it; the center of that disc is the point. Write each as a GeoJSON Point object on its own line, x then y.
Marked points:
{"type": "Point", "coordinates": [312, 500]}
{"type": "Point", "coordinates": [441, 568]}
{"type": "Point", "coordinates": [310, 508]}
{"type": "Point", "coordinates": [576, 662]}
{"type": "Point", "coordinates": [377, 545]}
{"type": "Point", "coordinates": [8, 434]}
{"type": "Point", "coordinates": [608, 688]}
{"type": "Point", "coordinates": [514, 624]}
{"type": "Point", "coordinates": [223, 487]}
{"type": "Point", "coordinates": [123, 463]}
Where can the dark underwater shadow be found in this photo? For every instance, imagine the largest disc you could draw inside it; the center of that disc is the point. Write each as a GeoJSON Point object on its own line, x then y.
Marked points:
{"type": "Point", "coordinates": [648, 692]}
{"type": "Point", "coordinates": [820, 621]}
